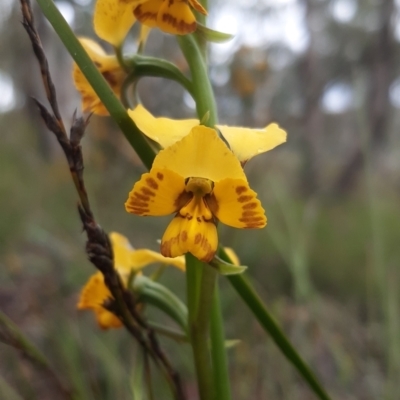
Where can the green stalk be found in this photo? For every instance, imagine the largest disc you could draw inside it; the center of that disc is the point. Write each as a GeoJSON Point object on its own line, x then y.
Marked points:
{"type": "Point", "coordinates": [218, 351]}
{"type": "Point", "coordinates": [97, 81]}
{"type": "Point", "coordinates": [200, 287]}
{"type": "Point", "coordinates": [199, 333]}
{"type": "Point", "coordinates": [193, 279]}
{"type": "Point", "coordinates": [202, 89]}
{"type": "Point", "coordinates": [199, 309]}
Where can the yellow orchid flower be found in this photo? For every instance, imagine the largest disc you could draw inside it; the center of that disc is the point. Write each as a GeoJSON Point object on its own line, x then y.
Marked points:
{"type": "Point", "coordinates": [202, 181]}
{"type": "Point", "coordinates": [244, 142]}
{"type": "Point", "coordinates": [126, 260]}
{"type": "Point", "coordinates": [171, 16]}
{"type": "Point", "coordinates": [109, 67]}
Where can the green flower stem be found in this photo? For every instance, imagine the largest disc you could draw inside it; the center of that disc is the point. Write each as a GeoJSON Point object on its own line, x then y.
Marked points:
{"type": "Point", "coordinates": [143, 66]}
{"type": "Point", "coordinates": [199, 327]}
{"type": "Point", "coordinates": [97, 81]}
{"type": "Point", "coordinates": [202, 89]}
{"type": "Point", "coordinates": [201, 41]}
{"type": "Point", "coordinates": [200, 306]}
{"type": "Point", "coordinates": [218, 350]}
{"type": "Point", "coordinates": [245, 290]}
{"type": "Point", "coordinates": [193, 279]}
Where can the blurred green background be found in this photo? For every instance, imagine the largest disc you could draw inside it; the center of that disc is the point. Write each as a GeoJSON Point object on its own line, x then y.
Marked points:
{"type": "Point", "coordinates": [327, 264]}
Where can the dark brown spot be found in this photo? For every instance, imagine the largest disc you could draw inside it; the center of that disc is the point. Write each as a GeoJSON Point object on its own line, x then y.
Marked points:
{"type": "Point", "coordinates": [167, 245]}
{"type": "Point", "coordinates": [249, 206]}
{"type": "Point", "coordinates": [241, 189]}
{"type": "Point", "coordinates": [198, 219]}
{"type": "Point", "coordinates": [244, 198]}
{"type": "Point", "coordinates": [184, 236]}
{"type": "Point", "coordinates": [160, 176]}
{"type": "Point", "coordinates": [97, 64]}
{"type": "Point", "coordinates": [152, 183]}
{"type": "Point", "coordinates": [198, 238]}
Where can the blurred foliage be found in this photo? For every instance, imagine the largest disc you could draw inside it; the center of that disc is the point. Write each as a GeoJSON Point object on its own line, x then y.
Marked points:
{"type": "Point", "coordinates": [327, 263]}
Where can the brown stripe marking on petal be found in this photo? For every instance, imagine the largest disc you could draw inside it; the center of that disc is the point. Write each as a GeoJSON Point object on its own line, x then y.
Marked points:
{"type": "Point", "coordinates": [205, 245]}
{"type": "Point", "coordinates": [249, 213]}
{"type": "Point", "coordinates": [241, 189]}
{"type": "Point", "coordinates": [202, 241]}
{"type": "Point", "coordinates": [181, 26]}
{"type": "Point", "coordinates": [144, 16]}
{"type": "Point", "coordinates": [198, 238]}
{"type": "Point", "coordinates": [139, 200]}
{"type": "Point", "coordinates": [138, 210]}
{"type": "Point", "coordinates": [141, 196]}
{"type": "Point", "coordinates": [253, 225]}
{"type": "Point", "coordinates": [251, 217]}
{"type": "Point", "coordinates": [184, 236]}
{"type": "Point", "coordinates": [165, 248]}
{"type": "Point", "coordinates": [249, 206]}
{"type": "Point", "coordinates": [244, 198]}
{"type": "Point", "coordinates": [147, 192]}
{"type": "Point", "coordinates": [152, 183]}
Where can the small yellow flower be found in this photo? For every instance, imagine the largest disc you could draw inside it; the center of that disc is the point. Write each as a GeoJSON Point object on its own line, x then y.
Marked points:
{"type": "Point", "coordinates": [244, 142]}
{"type": "Point", "coordinates": [110, 69]}
{"type": "Point", "coordinates": [171, 16]}
{"type": "Point", "coordinates": [202, 181]}
{"type": "Point", "coordinates": [126, 260]}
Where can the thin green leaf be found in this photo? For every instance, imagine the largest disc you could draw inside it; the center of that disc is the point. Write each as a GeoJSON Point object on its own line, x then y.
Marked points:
{"type": "Point", "coordinates": [226, 268]}
{"type": "Point", "coordinates": [218, 350]}
{"type": "Point", "coordinates": [210, 35]}
{"type": "Point", "coordinates": [246, 291]}
{"type": "Point", "coordinates": [159, 296]}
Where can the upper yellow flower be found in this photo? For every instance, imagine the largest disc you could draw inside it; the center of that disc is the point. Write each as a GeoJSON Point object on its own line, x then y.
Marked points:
{"type": "Point", "coordinates": [171, 16]}
{"type": "Point", "coordinates": [202, 181]}
{"type": "Point", "coordinates": [126, 260]}
{"type": "Point", "coordinates": [114, 18]}
{"type": "Point", "coordinates": [244, 142]}
{"type": "Point", "coordinates": [108, 66]}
